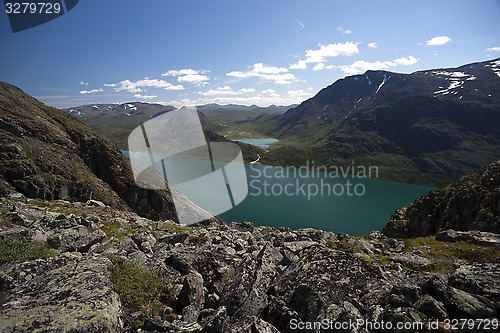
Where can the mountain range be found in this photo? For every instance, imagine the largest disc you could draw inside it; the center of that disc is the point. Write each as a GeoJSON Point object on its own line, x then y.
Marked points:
{"type": "Point", "coordinates": [428, 127]}
{"type": "Point", "coordinates": [83, 249]}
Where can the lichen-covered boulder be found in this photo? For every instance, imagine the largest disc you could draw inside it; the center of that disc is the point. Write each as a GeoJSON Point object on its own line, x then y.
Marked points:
{"type": "Point", "coordinates": [68, 293]}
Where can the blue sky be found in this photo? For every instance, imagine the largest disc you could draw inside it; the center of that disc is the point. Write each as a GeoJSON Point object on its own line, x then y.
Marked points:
{"type": "Point", "coordinates": [245, 52]}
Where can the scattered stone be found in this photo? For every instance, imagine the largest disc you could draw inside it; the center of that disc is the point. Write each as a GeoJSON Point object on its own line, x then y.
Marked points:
{"type": "Point", "coordinates": [475, 237]}
{"type": "Point", "coordinates": [432, 308]}
{"type": "Point", "coordinates": [95, 203]}
{"type": "Point", "coordinates": [410, 259]}
{"type": "Point", "coordinates": [461, 304]}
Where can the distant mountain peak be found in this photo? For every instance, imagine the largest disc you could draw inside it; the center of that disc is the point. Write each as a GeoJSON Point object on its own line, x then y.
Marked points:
{"type": "Point", "coordinates": [438, 123]}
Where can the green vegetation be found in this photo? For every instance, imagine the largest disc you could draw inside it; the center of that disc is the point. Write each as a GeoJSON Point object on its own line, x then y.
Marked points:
{"type": "Point", "coordinates": [240, 124]}
{"type": "Point", "coordinates": [198, 239]}
{"type": "Point", "coordinates": [140, 288]}
{"type": "Point", "coordinates": [444, 254]}
{"type": "Point", "coordinates": [20, 248]}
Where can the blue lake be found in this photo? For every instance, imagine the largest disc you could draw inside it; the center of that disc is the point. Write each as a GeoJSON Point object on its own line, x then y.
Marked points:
{"type": "Point", "coordinates": [300, 198]}
{"type": "Point", "coordinates": [263, 143]}
{"type": "Point", "coordinates": [351, 205]}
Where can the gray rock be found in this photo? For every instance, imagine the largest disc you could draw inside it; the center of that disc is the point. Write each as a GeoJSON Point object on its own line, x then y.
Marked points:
{"type": "Point", "coordinates": [128, 246]}
{"type": "Point", "coordinates": [18, 219]}
{"type": "Point", "coordinates": [190, 313]}
{"type": "Point", "coordinates": [214, 322]}
{"type": "Point", "coordinates": [298, 245]}
{"type": "Point", "coordinates": [95, 203]}
{"type": "Point", "coordinates": [261, 326]}
{"type": "Point", "coordinates": [83, 244]}
{"type": "Point", "coordinates": [102, 247]}
{"type": "Point", "coordinates": [435, 285]}
{"type": "Point", "coordinates": [475, 237]}
{"type": "Point", "coordinates": [410, 259]}
{"type": "Point", "coordinates": [365, 246]}
{"type": "Point", "coordinates": [461, 304]}
{"type": "Point", "coordinates": [306, 302]}
{"type": "Point", "coordinates": [67, 240]}
{"type": "Point", "coordinates": [192, 292]}
{"type": "Point", "coordinates": [432, 308]}
{"type": "Point", "coordinates": [402, 315]}
{"type": "Point", "coordinates": [69, 293]}
{"type": "Point", "coordinates": [410, 292]}
{"type": "Point", "coordinates": [92, 221]}
{"type": "Point", "coordinates": [178, 237]}
{"type": "Point", "coordinates": [480, 279]}
{"type": "Point", "coordinates": [144, 241]}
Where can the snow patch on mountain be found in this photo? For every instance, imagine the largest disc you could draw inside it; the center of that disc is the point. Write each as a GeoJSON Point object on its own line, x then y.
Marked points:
{"type": "Point", "coordinates": [495, 67]}
{"type": "Point", "coordinates": [383, 81]}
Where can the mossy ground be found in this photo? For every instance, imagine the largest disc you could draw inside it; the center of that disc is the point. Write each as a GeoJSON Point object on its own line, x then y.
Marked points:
{"type": "Point", "coordinates": [444, 254]}
{"type": "Point", "coordinates": [19, 248]}
{"type": "Point", "coordinates": [141, 289]}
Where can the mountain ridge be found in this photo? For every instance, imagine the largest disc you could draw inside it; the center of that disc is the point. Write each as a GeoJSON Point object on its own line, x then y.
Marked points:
{"type": "Point", "coordinates": [46, 153]}
{"type": "Point", "coordinates": [425, 127]}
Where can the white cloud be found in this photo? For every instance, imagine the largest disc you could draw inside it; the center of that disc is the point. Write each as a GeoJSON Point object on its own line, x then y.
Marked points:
{"type": "Point", "coordinates": [110, 85]}
{"type": "Point", "coordinates": [84, 83]}
{"type": "Point", "coordinates": [226, 91]}
{"type": "Point", "coordinates": [278, 75]}
{"type": "Point", "coordinates": [362, 66]}
{"type": "Point", "coordinates": [301, 64]}
{"type": "Point", "coordinates": [270, 92]}
{"type": "Point", "coordinates": [438, 40]}
{"type": "Point", "coordinates": [372, 45]}
{"type": "Point", "coordinates": [139, 96]}
{"type": "Point", "coordinates": [193, 79]}
{"type": "Point", "coordinates": [135, 87]}
{"type": "Point", "coordinates": [256, 99]}
{"type": "Point", "coordinates": [494, 49]}
{"type": "Point", "coordinates": [331, 50]}
{"type": "Point", "coordinates": [298, 93]}
{"type": "Point", "coordinates": [93, 91]}
{"type": "Point", "coordinates": [411, 60]}
{"type": "Point", "coordinates": [188, 75]}
{"type": "Point", "coordinates": [319, 67]}
{"type": "Point", "coordinates": [186, 71]}
{"type": "Point", "coordinates": [344, 31]}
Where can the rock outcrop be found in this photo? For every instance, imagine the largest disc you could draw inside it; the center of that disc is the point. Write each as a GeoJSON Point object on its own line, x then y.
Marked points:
{"type": "Point", "coordinates": [46, 153]}
{"type": "Point", "coordinates": [470, 204]}
{"type": "Point", "coordinates": [158, 276]}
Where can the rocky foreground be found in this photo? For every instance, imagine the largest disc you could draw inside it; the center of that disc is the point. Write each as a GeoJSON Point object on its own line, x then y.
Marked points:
{"type": "Point", "coordinates": [86, 267]}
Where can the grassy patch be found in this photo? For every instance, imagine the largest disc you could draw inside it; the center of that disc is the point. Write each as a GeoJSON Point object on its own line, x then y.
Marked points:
{"type": "Point", "coordinates": [18, 248]}
{"type": "Point", "coordinates": [198, 239]}
{"type": "Point", "coordinates": [444, 254]}
{"type": "Point", "coordinates": [344, 246]}
{"type": "Point", "coordinates": [140, 288]}
{"type": "Point", "coordinates": [114, 230]}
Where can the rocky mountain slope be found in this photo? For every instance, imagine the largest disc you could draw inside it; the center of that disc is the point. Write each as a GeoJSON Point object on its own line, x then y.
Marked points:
{"type": "Point", "coordinates": [71, 267]}
{"type": "Point", "coordinates": [428, 127]}
{"type": "Point", "coordinates": [472, 203]}
{"type": "Point", "coordinates": [117, 121]}
{"type": "Point", "coordinates": [46, 153]}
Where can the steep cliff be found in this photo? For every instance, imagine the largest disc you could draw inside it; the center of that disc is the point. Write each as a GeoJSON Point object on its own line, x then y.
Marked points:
{"type": "Point", "coordinates": [472, 203]}
{"type": "Point", "coordinates": [46, 153]}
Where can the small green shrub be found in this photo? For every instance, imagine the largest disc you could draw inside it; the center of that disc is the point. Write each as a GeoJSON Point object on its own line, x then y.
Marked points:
{"type": "Point", "coordinates": [20, 248]}
{"type": "Point", "coordinates": [140, 288]}
{"type": "Point", "coordinates": [198, 239]}
{"type": "Point", "coordinates": [444, 254]}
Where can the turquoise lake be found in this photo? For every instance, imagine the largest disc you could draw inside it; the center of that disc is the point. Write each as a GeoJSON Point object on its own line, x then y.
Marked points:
{"type": "Point", "coordinates": [263, 143]}
{"type": "Point", "coordinates": [304, 198]}
{"type": "Point", "coordinates": [368, 207]}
